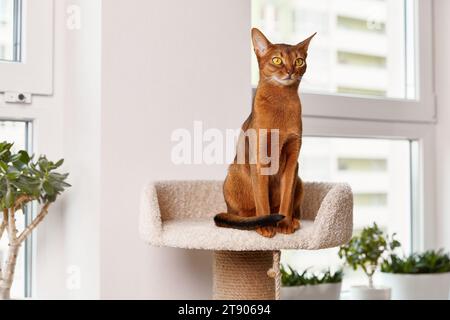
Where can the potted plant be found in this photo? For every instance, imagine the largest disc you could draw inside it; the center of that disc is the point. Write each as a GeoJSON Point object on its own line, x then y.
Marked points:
{"type": "Point", "coordinates": [418, 276]}
{"type": "Point", "coordinates": [23, 181]}
{"type": "Point", "coordinates": [308, 286]}
{"type": "Point", "coordinates": [365, 251]}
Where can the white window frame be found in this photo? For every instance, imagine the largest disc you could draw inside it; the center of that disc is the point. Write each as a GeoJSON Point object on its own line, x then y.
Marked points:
{"type": "Point", "coordinates": [34, 73]}
{"type": "Point", "coordinates": [422, 110]}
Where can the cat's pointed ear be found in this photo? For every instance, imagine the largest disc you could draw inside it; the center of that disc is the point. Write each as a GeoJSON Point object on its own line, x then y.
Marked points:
{"type": "Point", "coordinates": [260, 42]}
{"type": "Point", "coordinates": [305, 43]}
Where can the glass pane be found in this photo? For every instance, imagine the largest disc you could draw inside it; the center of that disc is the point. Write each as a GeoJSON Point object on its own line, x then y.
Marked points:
{"type": "Point", "coordinates": [360, 48]}
{"type": "Point", "coordinates": [10, 30]}
{"type": "Point", "coordinates": [15, 132]}
{"type": "Point", "coordinates": [379, 174]}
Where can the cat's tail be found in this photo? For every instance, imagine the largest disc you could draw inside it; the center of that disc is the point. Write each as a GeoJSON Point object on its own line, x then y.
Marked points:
{"type": "Point", "coordinates": [228, 220]}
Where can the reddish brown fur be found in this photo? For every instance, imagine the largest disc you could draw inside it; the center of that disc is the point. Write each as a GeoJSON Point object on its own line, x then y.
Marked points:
{"type": "Point", "coordinates": [277, 105]}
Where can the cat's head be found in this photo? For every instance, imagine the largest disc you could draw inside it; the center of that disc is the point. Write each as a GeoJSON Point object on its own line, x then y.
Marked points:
{"type": "Point", "coordinates": [281, 64]}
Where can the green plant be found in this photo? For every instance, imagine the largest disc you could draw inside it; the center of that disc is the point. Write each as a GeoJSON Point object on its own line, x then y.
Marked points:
{"type": "Point", "coordinates": [418, 263]}
{"type": "Point", "coordinates": [366, 250]}
{"type": "Point", "coordinates": [291, 278]}
{"type": "Point", "coordinates": [23, 181]}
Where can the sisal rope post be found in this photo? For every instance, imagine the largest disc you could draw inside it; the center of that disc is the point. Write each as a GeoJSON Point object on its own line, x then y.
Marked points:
{"type": "Point", "coordinates": [277, 273]}
{"type": "Point", "coordinates": [246, 275]}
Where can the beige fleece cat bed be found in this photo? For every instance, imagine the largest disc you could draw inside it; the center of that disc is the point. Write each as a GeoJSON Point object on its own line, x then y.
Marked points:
{"type": "Point", "coordinates": [246, 265]}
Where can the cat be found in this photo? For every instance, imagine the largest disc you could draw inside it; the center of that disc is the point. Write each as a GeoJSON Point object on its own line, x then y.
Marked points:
{"type": "Point", "coordinates": [270, 203]}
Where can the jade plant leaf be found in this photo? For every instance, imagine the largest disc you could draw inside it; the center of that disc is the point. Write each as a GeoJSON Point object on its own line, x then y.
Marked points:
{"type": "Point", "coordinates": [21, 176]}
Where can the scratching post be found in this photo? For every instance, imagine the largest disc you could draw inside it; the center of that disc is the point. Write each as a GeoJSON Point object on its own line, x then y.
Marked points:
{"type": "Point", "coordinates": [246, 265]}
{"type": "Point", "coordinates": [246, 275]}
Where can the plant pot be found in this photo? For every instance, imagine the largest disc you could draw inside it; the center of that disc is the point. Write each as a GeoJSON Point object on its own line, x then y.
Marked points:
{"type": "Point", "coordinates": [435, 286]}
{"type": "Point", "coordinates": [368, 293]}
{"type": "Point", "coordinates": [327, 291]}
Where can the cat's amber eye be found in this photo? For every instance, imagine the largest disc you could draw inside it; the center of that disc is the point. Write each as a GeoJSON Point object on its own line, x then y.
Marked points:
{"type": "Point", "coordinates": [277, 61]}
{"type": "Point", "coordinates": [299, 63]}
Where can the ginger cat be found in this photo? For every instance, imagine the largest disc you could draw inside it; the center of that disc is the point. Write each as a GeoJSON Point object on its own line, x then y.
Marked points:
{"type": "Point", "coordinates": [270, 203]}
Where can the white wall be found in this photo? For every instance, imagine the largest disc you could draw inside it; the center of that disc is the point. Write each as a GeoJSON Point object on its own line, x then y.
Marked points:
{"type": "Point", "coordinates": [82, 129]}
{"type": "Point", "coordinates": [67, 243]}
{"type": "Point", "coordinates": [442, 69]}
{"type": "Point", "coordinates": [163, 66]}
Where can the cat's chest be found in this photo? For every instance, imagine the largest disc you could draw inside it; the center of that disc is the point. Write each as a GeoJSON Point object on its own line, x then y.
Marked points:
{"type": "Point", "coordinates": [285, 118]}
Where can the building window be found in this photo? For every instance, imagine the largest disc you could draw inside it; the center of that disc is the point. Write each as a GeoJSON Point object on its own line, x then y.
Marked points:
{"type": "Point", "coordinates": [361, 164]}
{"type": "Point", "coordinates": [362, 25]}
{"type": "Point", "coordinates": [18, 132]}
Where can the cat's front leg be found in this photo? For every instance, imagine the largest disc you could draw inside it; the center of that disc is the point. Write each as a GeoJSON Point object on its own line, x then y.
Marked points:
{"type": "Point", "coordinates": [288, 186]}
{"type": "Point", "coordinates": [260, 185]}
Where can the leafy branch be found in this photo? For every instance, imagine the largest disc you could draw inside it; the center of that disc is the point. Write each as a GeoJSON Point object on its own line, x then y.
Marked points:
{"type": "Point", "coordinates": [366, 250]}
{"type": "Point", "coordinates": [22, 181]}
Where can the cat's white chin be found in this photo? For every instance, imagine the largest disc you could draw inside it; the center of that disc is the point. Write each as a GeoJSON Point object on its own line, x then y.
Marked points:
{"type": "Point", "coordinates": [284, 82]}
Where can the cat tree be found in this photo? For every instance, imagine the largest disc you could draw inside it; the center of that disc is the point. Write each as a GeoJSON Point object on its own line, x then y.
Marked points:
{"type": "Point", "coordinates": [246, 265]}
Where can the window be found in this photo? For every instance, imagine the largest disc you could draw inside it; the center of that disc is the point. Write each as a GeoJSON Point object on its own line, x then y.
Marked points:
{"type": "Point", "coordinates": [379, 172]}
{"type": "Point", "coordinates": [10, 30]}
{"type": "Point", "coordinates": [26, 66]}
{"type": "Point", "coordinates": [368, 109]}
{"type": "Point", "coordinates": [18, 132]}
{"type": "Point", "coordinates": [26, 46]}
{"type": "Point", "coordinates": [380, 182]}
{"type": "Point", "coordinates": [356, 37]}
{"type": "Point", "coordinates": [371, 59]}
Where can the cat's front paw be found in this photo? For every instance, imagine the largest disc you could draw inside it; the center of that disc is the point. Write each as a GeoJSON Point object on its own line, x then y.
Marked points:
{"type": "Point", "coordinates": [288, 226]}
{"type": "Point", "coordinates": [268, 232]}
